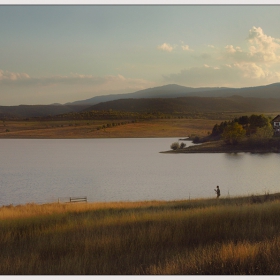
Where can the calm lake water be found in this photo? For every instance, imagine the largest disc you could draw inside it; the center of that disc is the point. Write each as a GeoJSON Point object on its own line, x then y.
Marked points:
{"type": "Point", "coordinates": [126, 170]}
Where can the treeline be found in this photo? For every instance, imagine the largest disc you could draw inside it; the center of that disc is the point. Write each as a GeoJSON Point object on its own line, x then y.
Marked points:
{"type": "Point", "coordinates": [108, 115]}
{"type": "Point", "coordinates": [250, 124]}
{"type": "Point", "coordinates": [122, 115]}
{"type": "Point", "coordinates": [255, 129]}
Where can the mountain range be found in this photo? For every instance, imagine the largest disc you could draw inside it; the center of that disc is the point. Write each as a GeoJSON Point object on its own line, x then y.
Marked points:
{"type": "Point", "coordinates": [167, 99]}
{"type": "Point", "coordinates": [184, 105]}
{"type": "Point", "coordinates": [173, 90]}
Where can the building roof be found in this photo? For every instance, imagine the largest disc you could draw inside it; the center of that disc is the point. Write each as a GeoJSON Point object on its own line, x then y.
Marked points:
{"type": "Point", "coordinates": [276, 119]}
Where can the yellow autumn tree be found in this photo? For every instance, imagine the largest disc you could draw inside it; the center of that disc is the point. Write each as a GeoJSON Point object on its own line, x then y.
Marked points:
{"type": "Point", "coordinates": [233, 133]}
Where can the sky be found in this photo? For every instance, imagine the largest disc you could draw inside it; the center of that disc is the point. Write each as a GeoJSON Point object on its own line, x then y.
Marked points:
{"type": "Point", "coordinates": [64, 53]}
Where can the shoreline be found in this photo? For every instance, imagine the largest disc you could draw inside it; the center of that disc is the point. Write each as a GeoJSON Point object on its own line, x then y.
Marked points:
{"type": "Point", "coordinates": [220, 147]}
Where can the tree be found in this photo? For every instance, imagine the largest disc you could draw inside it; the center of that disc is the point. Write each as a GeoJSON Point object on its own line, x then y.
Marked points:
{"type": "Point", "coordinates": [233, 133]}
{"type": "Point", "coordinates": [219, 129]}
{"type": "Point", "coordinates": [182, 145]}
{"type": "Point", "coordinates": [244, 120]}
{"type": "Point", "coordinates": [265, 132]}
{"type": "Point", "coordinates": [258, 121]}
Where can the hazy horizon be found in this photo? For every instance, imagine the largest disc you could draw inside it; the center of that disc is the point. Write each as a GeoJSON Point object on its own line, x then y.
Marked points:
{"type": "Point", "coordinates": [59, 54]}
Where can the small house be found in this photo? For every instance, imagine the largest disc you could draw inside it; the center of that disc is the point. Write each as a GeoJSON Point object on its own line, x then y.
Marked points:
{"type": "Point", "coordinates": [276, 124]}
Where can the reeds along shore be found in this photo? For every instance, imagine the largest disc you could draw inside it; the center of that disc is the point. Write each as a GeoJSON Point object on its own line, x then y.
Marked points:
{"type": "Point", "coordinates": [208, 236]}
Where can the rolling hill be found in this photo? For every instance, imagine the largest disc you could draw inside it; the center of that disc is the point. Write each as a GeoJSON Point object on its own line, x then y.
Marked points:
{"type": "Point", "coordinates": [172, 91]}
{"type": "Point", "coordinates": [191, 104]}
{"type": "Point", "coordinates": [29, 111]}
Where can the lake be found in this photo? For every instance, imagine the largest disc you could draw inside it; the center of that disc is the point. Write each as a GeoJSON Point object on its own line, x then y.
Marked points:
{"type": "Point", "coordinates": [126, 169]}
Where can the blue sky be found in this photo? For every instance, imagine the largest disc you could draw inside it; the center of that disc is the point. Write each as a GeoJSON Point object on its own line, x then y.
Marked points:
{"type": "Point", "coordinates": [63, 53]}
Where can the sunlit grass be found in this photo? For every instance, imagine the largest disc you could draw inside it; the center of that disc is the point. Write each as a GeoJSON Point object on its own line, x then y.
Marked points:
{"type": "Point", "coordinates": [207, 236]}
{"type": "Point", "coordinates": [88, 128]}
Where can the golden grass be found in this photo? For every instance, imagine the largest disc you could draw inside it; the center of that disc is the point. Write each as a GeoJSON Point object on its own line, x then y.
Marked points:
{"type": "Point", "coordinates": [88, 129]}
{"type": "Point", "coordinates": [210, 236]}
{"type": "Point", "coordinates": [32, 209]}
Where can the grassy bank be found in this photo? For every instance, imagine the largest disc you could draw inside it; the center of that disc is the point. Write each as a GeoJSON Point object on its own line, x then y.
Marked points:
{"type": "Point", "coordinates": [206, 236]}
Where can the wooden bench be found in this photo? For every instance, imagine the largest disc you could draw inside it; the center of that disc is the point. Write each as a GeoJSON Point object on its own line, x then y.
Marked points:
{"type": "Point", "coordinates": [78, 199]}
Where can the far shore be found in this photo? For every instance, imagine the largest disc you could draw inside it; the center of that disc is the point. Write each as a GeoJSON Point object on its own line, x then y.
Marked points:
{"type": "Point", "coordinates": [85, 129]}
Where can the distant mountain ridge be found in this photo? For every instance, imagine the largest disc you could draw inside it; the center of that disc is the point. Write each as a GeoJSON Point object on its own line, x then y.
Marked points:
{"type": "Point", "coordinates": [173, 90]}
{"type": "Point", "coordinates": [190, 105]}
{"type": "Point", "coordinates": [168, 98]}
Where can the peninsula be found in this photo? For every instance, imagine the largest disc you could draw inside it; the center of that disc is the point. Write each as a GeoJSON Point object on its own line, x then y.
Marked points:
{"type": "Point", "coordinates": [254, 134]}
{"type": "Point", "coordinates": [220, 147]}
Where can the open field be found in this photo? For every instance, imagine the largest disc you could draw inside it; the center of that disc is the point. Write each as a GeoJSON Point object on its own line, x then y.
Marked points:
{"type": "Point", "coordinates": [56, 127]}
{"type": "Point", "coordinates": [93, 128]}
{"type": "Point", "coordinates": [225, 236]}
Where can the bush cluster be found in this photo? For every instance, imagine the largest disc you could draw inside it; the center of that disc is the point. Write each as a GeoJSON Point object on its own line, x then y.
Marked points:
{"type": "Point", "coordinates": [176, 145]}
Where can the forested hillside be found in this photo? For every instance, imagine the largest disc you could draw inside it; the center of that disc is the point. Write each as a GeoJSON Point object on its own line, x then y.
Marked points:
{"type": "Point", "coordinates": [191, 104]}
{"type": "Point", "coordinates": [29, 111]}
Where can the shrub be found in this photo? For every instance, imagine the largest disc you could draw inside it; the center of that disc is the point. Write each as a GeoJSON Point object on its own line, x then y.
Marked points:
{"type": "Point", "coordinates": [196, 140]}
{"type": "Point", "coordinates": [174, 146]}
{"type": "Point", "coordinates": [182, 145]}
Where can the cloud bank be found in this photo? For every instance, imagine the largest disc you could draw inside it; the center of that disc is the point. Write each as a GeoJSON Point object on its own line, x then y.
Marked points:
{"type": "Point", "coordinates": [165, 47]}
{"type": "Point", "coordinates": [11, 76]}
{"type": "Point", "coordinates": [20, 88]}
{"type": "Point", "coordinates": [169, 48]}
{"type": "Point", "coordinates": [233, 66]}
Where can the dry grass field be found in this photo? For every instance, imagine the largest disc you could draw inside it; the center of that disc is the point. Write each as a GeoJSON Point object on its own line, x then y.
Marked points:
{"type": "Point", "coordinates": [228, 236]}
{"type": "Point", "coordinates": [91, 128]}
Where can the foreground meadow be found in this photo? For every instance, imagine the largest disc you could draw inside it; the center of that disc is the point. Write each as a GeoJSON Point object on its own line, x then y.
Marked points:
{"type": "Point", "coordinates": [208, 236]}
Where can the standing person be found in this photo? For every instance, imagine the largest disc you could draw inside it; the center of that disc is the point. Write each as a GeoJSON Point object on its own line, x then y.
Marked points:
{"type": "Point", "coordinates": [218, 192]}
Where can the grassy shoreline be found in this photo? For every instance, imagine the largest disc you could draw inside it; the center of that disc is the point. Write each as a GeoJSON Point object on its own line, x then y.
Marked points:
{"type": "Point", "coordinates": [271, 146]}
{"type": "Point", "coordinates": [226, 236]}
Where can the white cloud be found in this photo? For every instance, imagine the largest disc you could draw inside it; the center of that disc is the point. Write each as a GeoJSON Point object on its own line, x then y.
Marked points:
{"type": "Point", "coordinates": [237, 67]}
{"type": "Point", "coordinates": [165, 47]}
{"type": "Point", "coordinates": [251, 70]}
{"type": "Point", "coordinates": [263, 48]}
{"type": "Point", "coordinates": [62, 89]}
{"type": "Point", "coordinates": [230, 49]}
{"type": "Point", "coordinates": [227, 75]}
{"type": "Point", "coordinates": [186, 48]}
{"type": "Point", "coordinates": [12, 76]}
{"type": "Point", "coordinates": [169, 48]}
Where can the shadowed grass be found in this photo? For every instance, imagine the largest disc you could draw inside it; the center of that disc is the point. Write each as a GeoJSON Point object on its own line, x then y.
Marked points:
{"type": "Point", "coordinates": [208, 236]}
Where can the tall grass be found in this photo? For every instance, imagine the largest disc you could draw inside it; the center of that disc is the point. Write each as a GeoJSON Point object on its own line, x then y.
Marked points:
{"type": "Point", "coordinates": [210, 236]}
